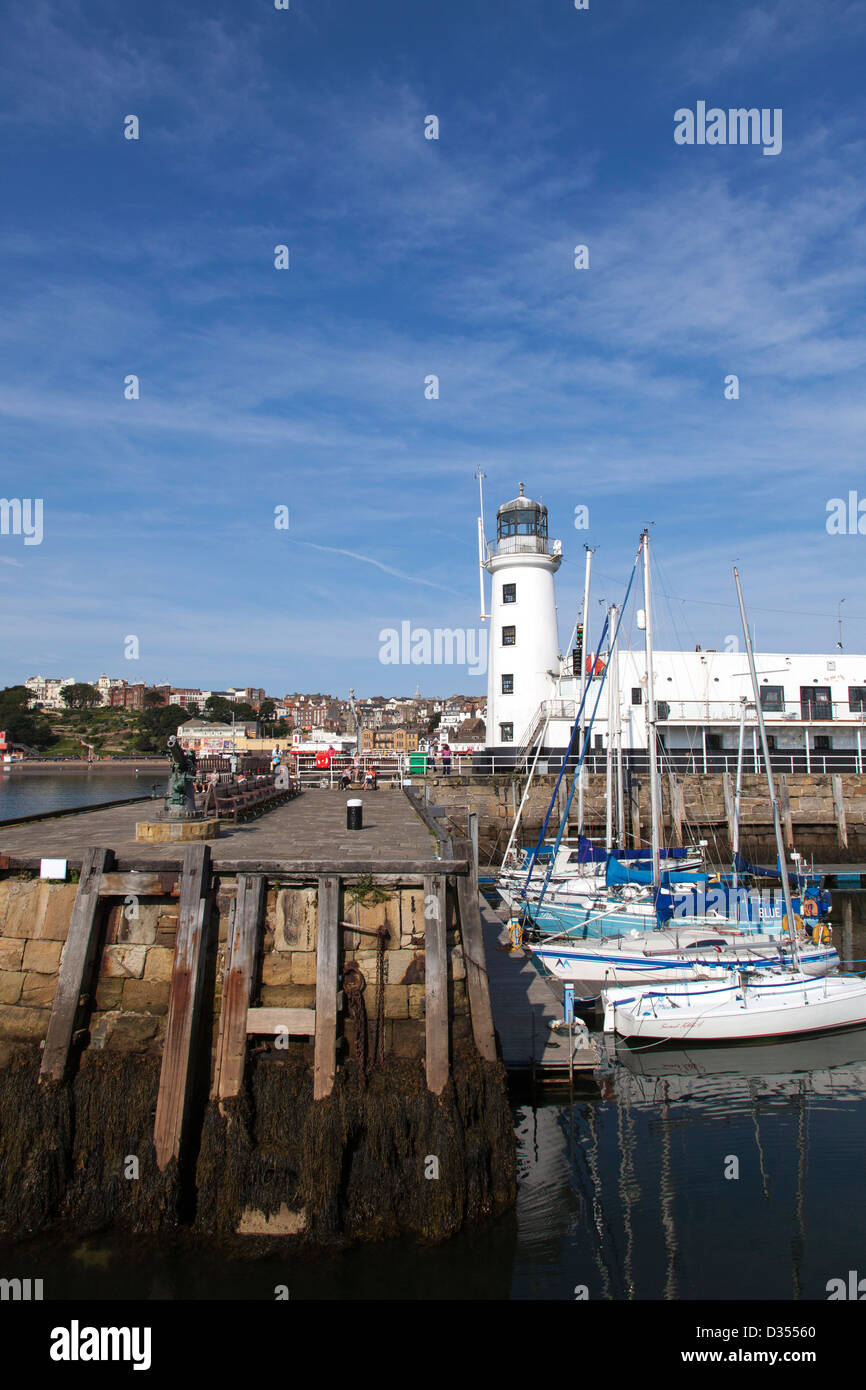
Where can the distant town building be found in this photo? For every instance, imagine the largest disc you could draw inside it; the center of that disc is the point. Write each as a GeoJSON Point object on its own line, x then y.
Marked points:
{"type": "Point", "coordinates": [45, 691]}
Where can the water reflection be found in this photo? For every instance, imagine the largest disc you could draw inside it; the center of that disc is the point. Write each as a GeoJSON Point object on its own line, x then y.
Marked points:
{"type": "Point", "coordinates": [723, 1173]}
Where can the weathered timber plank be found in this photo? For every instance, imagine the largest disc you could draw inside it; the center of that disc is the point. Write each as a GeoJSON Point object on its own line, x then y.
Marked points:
{"type": "Point", "coordinates": [839, 811]}
{"type": "Point", "coordinates": [728, 793]}
{"type": "Point", "coordinates": [677, 811]}
{"type": "Point", "coordinates": [274, 1021]}
{"type": "Point", "coordinates": [436, 983]}
{"type": "Point", "coordinates": [136, 884]}
{"type": "Point", "coordinates": [784, 797]}
{"type": "Point", "coordinates": [247, 930]}
{"type": "Point", "coordinates": [477, 983]}
{"type": "Point", "coordinates": [184, 1005]}
{"type": "Point", "coordinates": [76, 964]}
{"type": "Point", "coordinates": [325, 1058]}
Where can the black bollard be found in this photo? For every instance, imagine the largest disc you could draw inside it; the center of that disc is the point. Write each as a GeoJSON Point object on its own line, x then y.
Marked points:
{"type": "Point", "coordinates": [355, 814]}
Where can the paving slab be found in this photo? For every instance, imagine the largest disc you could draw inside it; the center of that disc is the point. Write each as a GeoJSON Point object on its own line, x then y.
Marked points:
{"type": "Point", "coordinates": [313, 826]}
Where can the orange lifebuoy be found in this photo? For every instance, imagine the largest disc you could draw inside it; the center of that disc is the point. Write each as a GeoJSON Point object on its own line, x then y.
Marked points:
{"type": "Point", "coordinates": [323, 760]}
{"type": "Point", "coordinates": [810, 907]}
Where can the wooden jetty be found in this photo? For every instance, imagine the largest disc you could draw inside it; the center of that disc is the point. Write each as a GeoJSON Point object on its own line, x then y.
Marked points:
{"type": "Point", "coordinates": [525, 1005]}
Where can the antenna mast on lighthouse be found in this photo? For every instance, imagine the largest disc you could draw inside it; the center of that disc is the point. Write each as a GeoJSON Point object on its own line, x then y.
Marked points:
{"type": "Point", "coordinates": [482, 540]}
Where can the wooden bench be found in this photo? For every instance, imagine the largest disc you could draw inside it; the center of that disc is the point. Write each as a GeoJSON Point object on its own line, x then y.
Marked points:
{"type": "Point", "coordinates": [242, 801]}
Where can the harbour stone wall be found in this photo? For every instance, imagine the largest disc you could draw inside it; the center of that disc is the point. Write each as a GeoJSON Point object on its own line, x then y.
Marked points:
{"type": "Point", "coordinates": [130, 1003]}
{"type": "Point", "coordinates": [814, 826]}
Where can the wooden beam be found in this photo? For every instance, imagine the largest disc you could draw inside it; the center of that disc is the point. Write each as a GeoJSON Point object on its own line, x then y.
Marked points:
{"type": "Point", "coordinates": [839, 810]}
{"type": "Point", "coordinates": [272, 1021]}
{"type": "Point", "coordinates": [634, 800]}
{"type": "Point", "coordinates": [477, 983]}
{"type": "Point", "coordinates": [436, 982]}
{"type": "Point", "coordinates": [184, 1005]}
{"type": "Point", "coordinates": [785, 810]}
{"type": "Point", "coordinates": [246, 934]}
{"type": "Point", "coordinates": [325, 1059]}
{"type": "Point", "coordinates": [138, 885]}
{"type": "Point", "coordinates": [728, 793]}
{"type": "Point", "coordinates": [76, 964]}
{"type": "Point", "coordinates": [677, 808]}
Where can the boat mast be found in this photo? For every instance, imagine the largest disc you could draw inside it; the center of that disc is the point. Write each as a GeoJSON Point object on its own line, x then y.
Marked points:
{"type": "Point", "coordinates": [609, 791]}
{"type": "Point", "coordinates": [777, 822]}
{"type": "Point", "coordinates": [651, 713]}
{"type": "Point", "coordinates": [620, 792]}
{"type": "Point", "coordinates": [584, 649]}
{"type": "Point", "coordinates": [735, 834]}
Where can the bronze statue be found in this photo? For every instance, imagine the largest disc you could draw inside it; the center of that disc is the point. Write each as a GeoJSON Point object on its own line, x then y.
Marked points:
{"type": "Point", "coordinates": [180, 800]}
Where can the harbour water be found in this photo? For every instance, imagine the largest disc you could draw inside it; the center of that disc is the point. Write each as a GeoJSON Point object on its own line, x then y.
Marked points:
{"type": "Point", "coordinates": [27, 792]}
{"type": "Point", "coordinates": [706, 1174]}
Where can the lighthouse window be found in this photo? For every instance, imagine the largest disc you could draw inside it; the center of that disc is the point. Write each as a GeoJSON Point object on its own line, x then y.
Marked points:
{"type": "Point", "coordinates": [506, 733]}
{"type": "Point", "coordinates": [529, 522]}
{"type": "Point", "coordinates": [508, 685]}
{"type": "Point", "coordinates": [636, 695]}
{"type": "Point", "coordinates": [509, 636]}
{"type": "Point", "coordinates": [509, 593]}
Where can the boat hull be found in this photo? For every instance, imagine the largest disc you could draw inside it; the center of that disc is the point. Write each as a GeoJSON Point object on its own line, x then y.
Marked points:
{"type": "Point", "coordinates": [714, 1014]}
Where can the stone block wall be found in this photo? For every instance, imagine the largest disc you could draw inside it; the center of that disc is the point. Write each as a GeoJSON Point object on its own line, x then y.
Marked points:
{"type": "Point", "coordinates": [131, 997]}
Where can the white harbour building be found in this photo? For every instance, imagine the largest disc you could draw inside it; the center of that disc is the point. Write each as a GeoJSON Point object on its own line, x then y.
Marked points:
{"type": "Point", "coordinates": [814, 704]}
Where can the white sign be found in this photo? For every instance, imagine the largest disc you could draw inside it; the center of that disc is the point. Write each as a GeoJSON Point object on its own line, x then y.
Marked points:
{"type": "Point", "coordinates": [52, 868]}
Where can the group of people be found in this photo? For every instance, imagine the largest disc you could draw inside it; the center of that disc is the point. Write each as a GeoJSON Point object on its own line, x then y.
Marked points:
{"type": "Point", "coordinates": [366, 777]}
{"type": "Point", "coordinates": [444, 759]}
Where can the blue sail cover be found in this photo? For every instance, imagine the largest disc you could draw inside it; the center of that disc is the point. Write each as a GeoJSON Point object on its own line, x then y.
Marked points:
{"type": "Point", "coordinates": [618, 873]}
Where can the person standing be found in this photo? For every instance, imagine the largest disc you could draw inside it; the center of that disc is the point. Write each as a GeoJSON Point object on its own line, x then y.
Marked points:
{"type": "Point", "coordinates": [446, 760]}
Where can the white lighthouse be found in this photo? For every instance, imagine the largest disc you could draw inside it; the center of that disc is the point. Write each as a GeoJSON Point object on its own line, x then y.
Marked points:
{"type": "Point", "coordinates": [523, 659]}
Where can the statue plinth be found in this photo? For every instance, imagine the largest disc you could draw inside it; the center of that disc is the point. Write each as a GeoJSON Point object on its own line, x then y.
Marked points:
{"type": "Point", "coordinates": [165, 831]}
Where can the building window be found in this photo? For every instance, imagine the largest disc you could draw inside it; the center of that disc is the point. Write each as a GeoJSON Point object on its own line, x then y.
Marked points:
{"type": "Point", "coordinates": [771, 742]}
{"type": "Point", "coordinates": [857, 699]}
{"type": "Point", "coordinates": [636, 695]}
{"type": "Point", "coordinates": [506, 733]}
{"type": "Point", "coordinates": [509, 636]}
{"type": "Point", "coordinates": [815, 702]}
{"type": "Point", "coordinates": [773, 698]}
{"type": "Point", "coordinates": [509, 593]}
{"type": "Point", "coordinates": [508, 685]}
{"type": "Point", "coordinates": [714, 743]}
{"type": "Point", "coordinates": [598, 742]}
{"type": "Point", "coordinates": [823, 743]}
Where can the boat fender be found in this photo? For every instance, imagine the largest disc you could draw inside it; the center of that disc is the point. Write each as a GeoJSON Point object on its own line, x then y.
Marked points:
{"type": "Point", "coordinates": [822, 934]}
{"type": "Point", "coordinates": [798, 922]}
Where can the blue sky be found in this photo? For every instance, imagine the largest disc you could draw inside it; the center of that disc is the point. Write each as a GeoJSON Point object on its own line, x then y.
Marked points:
{"type": "Point", "coordinates": [305, 387]}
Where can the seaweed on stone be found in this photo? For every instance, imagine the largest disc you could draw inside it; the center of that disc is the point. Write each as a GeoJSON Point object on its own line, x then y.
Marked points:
{"type": "Point", "coordinates": [36, 1135]}
{"type": "Point", "coordinates": [372, 1161]}
{"type": "Point", "coordinates": [115, 1098]}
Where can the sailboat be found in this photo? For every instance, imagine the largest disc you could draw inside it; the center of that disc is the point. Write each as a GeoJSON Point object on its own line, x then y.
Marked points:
{"type": "Point", "coordinates": [760, 1003]}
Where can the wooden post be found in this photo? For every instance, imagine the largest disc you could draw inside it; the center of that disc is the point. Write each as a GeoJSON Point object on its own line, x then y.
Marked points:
{"type": "Point", "coordinates": [561, 799]}
{"type": "Point", "coordinates": [839, 810]}
{"type": "Point", "coordinates": [76, 964]}
{"type": "Point", "coordinates": [436, 981]}
{"type": "Point", "coordinates": [477, 983]}
{"type": "Point", "coordinates": [325, 1060]}
{"type": "Point", "coordinates": [676, 791]}
{"type": "Point", "coordinates": [634, 799]}
{"type": "Point", "coordinates": [184, 1005]}
{"type": "Point", "coordinates": [472, 824]}
{"type": "Point", "coordinates": [785, 810]}
{"type": "Point", "coordinates": [237, 986]}
{"type": "Point", "coordinates": [728, 791]}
